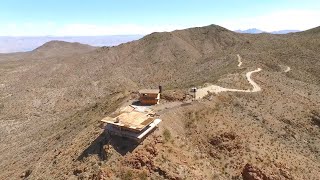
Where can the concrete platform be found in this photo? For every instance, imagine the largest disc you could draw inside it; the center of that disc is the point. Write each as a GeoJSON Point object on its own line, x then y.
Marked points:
{"type": "Point", "coordinates": [124, 132]}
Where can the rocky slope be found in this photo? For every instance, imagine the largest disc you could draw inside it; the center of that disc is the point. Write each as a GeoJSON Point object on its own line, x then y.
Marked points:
{"type": "Point", "coordinates": [51, 101]}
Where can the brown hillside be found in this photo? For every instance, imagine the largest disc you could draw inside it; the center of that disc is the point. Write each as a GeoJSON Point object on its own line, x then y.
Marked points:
{"type": "Point", "coordinates": [56, 48]}
{"type": "Point", "coordinates": [51, 101]}
{"type": "Point", "coordinates": [313, 31]}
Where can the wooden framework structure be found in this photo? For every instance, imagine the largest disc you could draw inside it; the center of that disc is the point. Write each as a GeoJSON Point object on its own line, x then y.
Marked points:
{"type": "Point", "coordinates": [131, 123]}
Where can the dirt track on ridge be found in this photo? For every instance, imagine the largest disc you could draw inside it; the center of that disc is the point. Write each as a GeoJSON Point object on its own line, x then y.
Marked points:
{"type": "Point", "coordinates": [217, 89]}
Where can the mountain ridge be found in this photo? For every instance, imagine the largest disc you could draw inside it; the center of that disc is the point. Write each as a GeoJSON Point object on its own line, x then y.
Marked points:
{"type": "Point", "coordinates": [56, 96]}
{"type": "Point", "coordinates": [23, 44]}
{"type": "Point", "coordinates": [258, 31]}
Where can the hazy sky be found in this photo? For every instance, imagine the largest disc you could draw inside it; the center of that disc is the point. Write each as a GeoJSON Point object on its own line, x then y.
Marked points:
{"type": "Point", "coordinates": [109, 17]}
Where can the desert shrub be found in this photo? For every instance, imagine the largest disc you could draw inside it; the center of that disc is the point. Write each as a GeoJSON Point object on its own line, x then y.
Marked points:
{"type": "Point", "coordinates": [126, 175]}
{"type": "Point", "coordinates": [143, 175]}
{"type": "Point", "coordinates": [315, 117]}
{"type": "Point", "coordinates": [273, 66]}
{"type": "Point", "coordinates": [190, 119]}
{"type": "Point", "coordinates": [166, 135]}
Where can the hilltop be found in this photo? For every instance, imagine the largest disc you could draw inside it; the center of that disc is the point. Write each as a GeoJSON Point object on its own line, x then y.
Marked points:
{"type": "Point", "coordinates": [52, 99]}
{"type": "Point", "coordinates": [9, 44]}
{"type": "Point", "coordinates": [56, 48]}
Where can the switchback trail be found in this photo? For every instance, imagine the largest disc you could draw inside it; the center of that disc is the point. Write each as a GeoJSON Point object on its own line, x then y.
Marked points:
{"type": "Point", "coordinates": [217, 89]}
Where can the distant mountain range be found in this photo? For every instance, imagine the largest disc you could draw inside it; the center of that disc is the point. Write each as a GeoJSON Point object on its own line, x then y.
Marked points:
{"type": "Point", "coordinates": [258, 31]}
{"type": "Point", "coordinates": [10, 44]}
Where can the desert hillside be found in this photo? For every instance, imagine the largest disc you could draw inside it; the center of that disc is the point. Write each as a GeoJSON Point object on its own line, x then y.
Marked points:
{"type": "Point", "coordinates": [53, 98]}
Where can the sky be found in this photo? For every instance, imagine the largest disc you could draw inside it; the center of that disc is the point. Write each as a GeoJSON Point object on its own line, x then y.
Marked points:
{"type": "Point", "coordinates": [122, 17]}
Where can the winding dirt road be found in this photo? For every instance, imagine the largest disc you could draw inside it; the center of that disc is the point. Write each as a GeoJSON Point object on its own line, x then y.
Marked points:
{"type": "Point", "coordinates": [239, 60]}
{"type": "Point", "coordinates": [217, 89]}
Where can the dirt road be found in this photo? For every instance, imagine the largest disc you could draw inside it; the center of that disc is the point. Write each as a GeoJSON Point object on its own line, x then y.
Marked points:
{"type": "Point", "coordinates": [239, 60]}
{"type": "Point", "coordinates": [217, 89]}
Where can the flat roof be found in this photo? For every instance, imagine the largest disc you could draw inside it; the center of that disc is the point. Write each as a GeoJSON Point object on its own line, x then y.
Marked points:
{"type": "Point", "coordinates": [130, 119]}
{"type": "Point", "coordinates": [149, 91]}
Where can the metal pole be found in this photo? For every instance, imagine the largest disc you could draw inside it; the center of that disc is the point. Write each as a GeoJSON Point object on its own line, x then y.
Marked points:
{"type": "Point", "coordinates": [194, 90]}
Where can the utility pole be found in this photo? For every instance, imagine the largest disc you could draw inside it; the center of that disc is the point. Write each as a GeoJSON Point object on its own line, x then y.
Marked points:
{"type": "Point", "coordinates": [194, 90]}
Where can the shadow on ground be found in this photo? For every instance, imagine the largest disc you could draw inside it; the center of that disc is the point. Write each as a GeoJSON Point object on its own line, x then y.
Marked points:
{"type": "Point", "coordinates": [121, 144]}
{"type": "Point", "coordinates": [138, 103]}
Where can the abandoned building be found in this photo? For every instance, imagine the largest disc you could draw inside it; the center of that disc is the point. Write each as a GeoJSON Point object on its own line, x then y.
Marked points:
{"type": "Point", "coordinates": [150, 96]}
{"type": "Point", "coordinates": [135, 121]}
{"type": "Point", "coordinates": [131, 122]}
